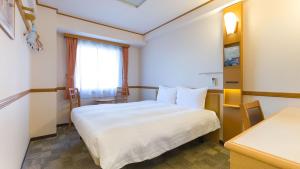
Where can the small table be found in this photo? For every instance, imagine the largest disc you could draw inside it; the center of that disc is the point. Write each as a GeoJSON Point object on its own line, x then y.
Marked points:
{"type": "Point", "coordinates": [106, 100]}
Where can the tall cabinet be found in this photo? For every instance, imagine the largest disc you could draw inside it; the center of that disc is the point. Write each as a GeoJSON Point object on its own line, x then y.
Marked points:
{"type": "Point", "coordinates": [233, 70]}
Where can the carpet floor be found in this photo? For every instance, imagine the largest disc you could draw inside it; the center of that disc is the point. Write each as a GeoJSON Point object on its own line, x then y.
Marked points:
{"type": "Point", "coordinates": [67, 151]}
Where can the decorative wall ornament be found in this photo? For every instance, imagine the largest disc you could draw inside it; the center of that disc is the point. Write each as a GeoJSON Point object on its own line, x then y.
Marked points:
{"type": "Point", "coordinates": [32, 39]}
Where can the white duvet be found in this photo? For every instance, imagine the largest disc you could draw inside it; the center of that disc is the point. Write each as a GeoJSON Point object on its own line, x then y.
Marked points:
{"type": "Point", "coordinates": [119, 134]}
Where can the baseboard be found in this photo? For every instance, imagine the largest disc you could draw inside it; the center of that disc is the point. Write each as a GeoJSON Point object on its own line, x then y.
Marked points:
{"type": "Point", "coordinates": [25, 155]}
{"type": "Point", "coordinates": [62, 125]}
{"type": "Point", "coordinates": [43, 137]}
{"type": "Point", "coordinates": [49, 135]}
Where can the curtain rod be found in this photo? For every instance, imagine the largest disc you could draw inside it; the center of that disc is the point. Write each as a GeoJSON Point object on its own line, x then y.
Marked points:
{"type": "Point", "coordinates": [96, 40]}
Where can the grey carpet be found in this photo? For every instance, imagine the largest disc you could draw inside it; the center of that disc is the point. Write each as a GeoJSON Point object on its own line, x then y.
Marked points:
{"type": "Point", "coordinates": [67, 151]}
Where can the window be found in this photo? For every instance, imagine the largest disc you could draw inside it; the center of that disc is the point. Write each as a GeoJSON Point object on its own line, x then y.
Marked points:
{"type": "Point", "coordinates": [98, 69]}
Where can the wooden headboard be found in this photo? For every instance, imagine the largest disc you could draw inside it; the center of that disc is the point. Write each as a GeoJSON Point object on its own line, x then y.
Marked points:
{"type": "Point", "coordinates": [212, 102]}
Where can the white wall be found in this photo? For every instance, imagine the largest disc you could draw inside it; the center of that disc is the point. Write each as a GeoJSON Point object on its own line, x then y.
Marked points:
{"type": "Point", "coordinates": [15, 78]}
{"type": "Point", "coordinates": [272, 51]}
{"type": "Point", "coordinates": [176, 58]}
{"type": "Point", "coordinates": [44, 75]}
{"type": "Point", "coordinates": [175, 54]}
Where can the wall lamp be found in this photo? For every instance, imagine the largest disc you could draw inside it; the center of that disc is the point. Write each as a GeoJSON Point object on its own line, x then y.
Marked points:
{"type": "Point", "coordinates": [231, 22]}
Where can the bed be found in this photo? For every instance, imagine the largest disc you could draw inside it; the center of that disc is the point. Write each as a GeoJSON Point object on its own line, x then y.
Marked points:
{"type": "Point", "coordinates": [120, 134]}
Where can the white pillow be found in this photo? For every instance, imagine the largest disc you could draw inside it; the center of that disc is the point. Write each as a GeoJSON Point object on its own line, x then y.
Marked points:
{"type": "Point", "coordinates": [166, 95]}
{"type": "Point", "coordinates": [192, 98]}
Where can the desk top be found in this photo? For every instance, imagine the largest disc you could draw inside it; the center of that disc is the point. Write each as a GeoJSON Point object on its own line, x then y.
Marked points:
{"type": "Point", "coordinates": [276, 140]}
{"type": "Point", "coordinates": [105, 99]}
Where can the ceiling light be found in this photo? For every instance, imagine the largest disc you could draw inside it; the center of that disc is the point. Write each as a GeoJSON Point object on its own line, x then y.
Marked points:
{"type": "Point", "coordinates": [135, 3]}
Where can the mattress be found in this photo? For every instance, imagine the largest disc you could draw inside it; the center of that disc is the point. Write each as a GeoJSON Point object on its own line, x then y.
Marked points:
{"type": "Point", "coordinates": [119, 134]}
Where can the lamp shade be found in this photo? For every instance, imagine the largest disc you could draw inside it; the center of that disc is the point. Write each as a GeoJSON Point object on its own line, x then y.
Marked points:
{"type": "Point", "coordinates": [230, 21]}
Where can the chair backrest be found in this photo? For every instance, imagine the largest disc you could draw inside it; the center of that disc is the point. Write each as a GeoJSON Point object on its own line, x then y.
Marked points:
{"type": "Point", "coordinates": [74, 98]}
{"type": "Point", "coordinates": [252, 114]}
{"type": "Point", "coordinates": [119, 96]}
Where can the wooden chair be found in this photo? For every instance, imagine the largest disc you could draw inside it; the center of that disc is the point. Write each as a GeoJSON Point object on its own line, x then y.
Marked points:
{"type": "Point", "coordinates": [252, 114]}
{"type": "Point", "coordinates": [74, 98]}
{"type": "Point", "coordinates": [119, 98]}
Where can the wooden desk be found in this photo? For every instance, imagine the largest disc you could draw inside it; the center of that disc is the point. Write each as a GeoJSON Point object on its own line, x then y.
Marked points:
{"type": "Point", "coordinates": [106, 100]}
{"type": "Point", "coordinates": [271, 144]}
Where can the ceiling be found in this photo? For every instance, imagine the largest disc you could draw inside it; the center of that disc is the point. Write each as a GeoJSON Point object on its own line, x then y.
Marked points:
{"type": "Point", "coordinates": [151, 14]}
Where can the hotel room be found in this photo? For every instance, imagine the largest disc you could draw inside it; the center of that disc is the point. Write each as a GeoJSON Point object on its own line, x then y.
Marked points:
{"type": "Point", "coordinates": [150, 84]}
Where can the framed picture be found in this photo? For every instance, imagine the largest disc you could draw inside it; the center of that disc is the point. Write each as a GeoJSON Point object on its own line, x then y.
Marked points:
{"type": "Point", "coordinates": [7, 17]}
{"type": "Point", "coordinates": [232, 55]}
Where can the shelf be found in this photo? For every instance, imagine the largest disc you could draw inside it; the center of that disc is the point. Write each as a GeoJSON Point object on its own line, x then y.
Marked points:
{"type": "Point", "coordinates": [231, 105]}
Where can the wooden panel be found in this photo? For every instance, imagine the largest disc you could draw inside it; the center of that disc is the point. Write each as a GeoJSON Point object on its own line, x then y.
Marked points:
{"type": "Point", "coordinates": [212, 103]}
{"type": "Point", "coordinates": [232, 122]}
{"type": "Point", "coordinates": [232, 78]}
{"type": "Point", "coordinates": [232, 97]}
{"type": "Point", "coordinates": [238, 161]}
{"type": "Point", "coordinates": [258, 156]}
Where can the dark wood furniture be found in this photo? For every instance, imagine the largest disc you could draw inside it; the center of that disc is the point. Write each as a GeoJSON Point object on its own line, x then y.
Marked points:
{"type": "Point", "coordinates": [252, 114]}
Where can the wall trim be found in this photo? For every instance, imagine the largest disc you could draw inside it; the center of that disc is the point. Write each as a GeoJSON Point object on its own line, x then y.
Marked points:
{"type": "Point", "coordinates": [43, 137]}
{"type": "Point", "coordinates": [40, 90]}
{"type": "Point", "coordinates": [247, 93]}
{"type": "Point", "coordinates": [156, 88]}
{"type": "Point", "coordinates": [7, 101]}
{"type": "Point", "coordinates": [271, 94]}
{"type": "Point", "coordinates": [200, 6]}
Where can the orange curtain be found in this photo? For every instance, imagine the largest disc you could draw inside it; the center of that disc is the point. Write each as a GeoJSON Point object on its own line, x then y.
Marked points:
{"type": "Point", "coordinates": [71, 60]}
{"type": "Point", "coordinates": [125, 90]}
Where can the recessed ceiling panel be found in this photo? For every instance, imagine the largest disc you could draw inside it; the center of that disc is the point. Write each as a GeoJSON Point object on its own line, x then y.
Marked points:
{"type": "Point", "coordinates": [135, 3]}
{"type": "Point", "coordinates": [149, 15]}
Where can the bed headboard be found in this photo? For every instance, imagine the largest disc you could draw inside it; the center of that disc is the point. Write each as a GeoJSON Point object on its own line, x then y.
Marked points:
{"type": "Point", "coordinates": [212, 102]}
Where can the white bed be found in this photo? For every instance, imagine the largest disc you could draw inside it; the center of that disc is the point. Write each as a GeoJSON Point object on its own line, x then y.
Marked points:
{"type": "Point", "coordinates": [119, 134]}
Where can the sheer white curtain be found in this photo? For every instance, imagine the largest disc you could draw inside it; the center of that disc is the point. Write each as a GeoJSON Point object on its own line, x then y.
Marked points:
{"type": "Point", "coordinates": [98, 69]}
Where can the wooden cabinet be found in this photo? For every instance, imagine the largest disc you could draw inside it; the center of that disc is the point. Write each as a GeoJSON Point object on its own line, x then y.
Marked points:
{"type": "Point", "coordinates": [233, 75]}
{"type": "Point", "coordinates": [232, 124]}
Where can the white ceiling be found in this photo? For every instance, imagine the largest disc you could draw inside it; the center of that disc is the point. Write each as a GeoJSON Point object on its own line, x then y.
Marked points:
{"type": "Point", "coordinates": [148, 16]}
